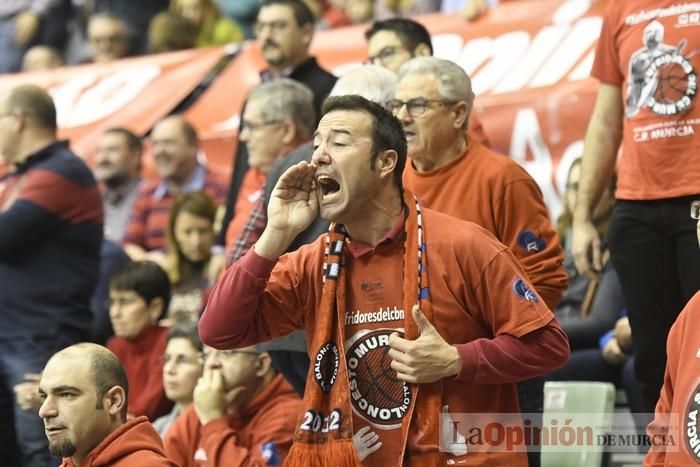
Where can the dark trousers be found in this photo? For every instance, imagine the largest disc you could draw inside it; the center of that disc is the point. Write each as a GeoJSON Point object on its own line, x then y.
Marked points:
{"type": "Point", "coordinates": [654, 248]}
{"type": "Point", "coordinates": [531, 401]}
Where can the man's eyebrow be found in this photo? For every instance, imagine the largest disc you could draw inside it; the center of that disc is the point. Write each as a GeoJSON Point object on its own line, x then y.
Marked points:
{"type": "Point", "coordinates": [65, 388]}
{"type": "Point", "coordinates": [334, 132]}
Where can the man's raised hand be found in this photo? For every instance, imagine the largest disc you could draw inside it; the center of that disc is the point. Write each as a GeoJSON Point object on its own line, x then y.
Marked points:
{"type": "Point", "coordinates": [292, 208]}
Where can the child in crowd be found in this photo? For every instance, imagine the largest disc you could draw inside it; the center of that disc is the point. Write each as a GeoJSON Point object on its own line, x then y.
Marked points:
{"type": "Point", "coordinates": [139, 296]}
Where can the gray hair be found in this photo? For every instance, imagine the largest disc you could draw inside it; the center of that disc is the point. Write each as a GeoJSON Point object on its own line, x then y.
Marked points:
{"type": "Point", "coordinates": [453, 82]}
{"type": "Point", "coordinates": [372, 82]}
{"type": "Point", "coordinates": [287, 99]}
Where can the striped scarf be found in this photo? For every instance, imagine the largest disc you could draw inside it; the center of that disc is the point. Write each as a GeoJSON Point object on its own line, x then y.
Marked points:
{"type": "Point", "coordinates": [324, 436]}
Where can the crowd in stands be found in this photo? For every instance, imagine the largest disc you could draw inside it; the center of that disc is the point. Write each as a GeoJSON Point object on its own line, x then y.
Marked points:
{"type": "Point", "coordinates": [44, 34]}
{"type": "Point", "coordinates": [224, 315]}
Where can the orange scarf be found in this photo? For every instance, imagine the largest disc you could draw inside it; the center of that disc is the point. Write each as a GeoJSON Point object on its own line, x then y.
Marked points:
{"type": "Point", "coordinates": [324, 436]}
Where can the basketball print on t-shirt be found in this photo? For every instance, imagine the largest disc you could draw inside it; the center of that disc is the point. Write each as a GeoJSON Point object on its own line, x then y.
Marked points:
{"type": "Point", "coordinates": [661, 78]}
{"type": "Point", "coordinates": [376, 394]}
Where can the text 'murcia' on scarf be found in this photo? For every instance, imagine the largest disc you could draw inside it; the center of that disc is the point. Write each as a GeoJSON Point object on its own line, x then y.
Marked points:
{"type": "Point", "coordinates": [324, 435]}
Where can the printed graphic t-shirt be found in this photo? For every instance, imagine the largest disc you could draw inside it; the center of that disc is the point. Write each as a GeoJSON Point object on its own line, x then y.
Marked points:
{"type": "Point", "coordinates": [651, 49]}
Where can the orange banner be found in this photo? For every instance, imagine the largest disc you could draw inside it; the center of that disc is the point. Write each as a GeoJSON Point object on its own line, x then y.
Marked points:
{"type": "Point", "coordinates": [132, 93]}
{"type": "Point", "coordinates": [529, 61]}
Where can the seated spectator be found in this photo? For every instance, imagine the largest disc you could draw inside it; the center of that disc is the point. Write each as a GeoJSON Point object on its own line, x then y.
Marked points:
{"type": "Point", "coordinates": [470, 9]}
{"type": "Point", "coordinates": [677, 409]}
{"type": "Point", "coordinates": [244, 413]}
{"type": "Point", "coordinates": [384, 9]}
{"type": "Point", "coordinates": [357, 11]}
{"type": "Point", "coordinates": [175, 148]}
{"type": "Point", "coordinates": [23, 23]}
{"type": "Point", "coordinates": [279, 116]}
{"type": "Point", "coordinates": [139, 296]}
{"type": "Point", "coordinates": [588, 308]}
{"type": "Point", "coordinates": [107, 38]}
{"type": "Point", "coordinates": [243, 12]}
{"type": "Point", "coordinates": [182, 368]}
{"type": "Point", "coordinates": [190, 238]}
{"type": "Point", "coordinates": [84, 393]}
{"type": "Point", "coordinates": [212, 27]}
{"type": "Point", "coordinates": [169, 32]}
{"type": "Point", "coordinates": [41, 58]}
{"type": "Point", "coordinates": [118, 169]}
{"type": "Point", "coordinates": [136, 15]}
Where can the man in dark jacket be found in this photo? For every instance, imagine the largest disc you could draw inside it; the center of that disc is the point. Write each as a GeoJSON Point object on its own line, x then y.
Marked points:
{"type": "Point", "coordinates": [50, 237]}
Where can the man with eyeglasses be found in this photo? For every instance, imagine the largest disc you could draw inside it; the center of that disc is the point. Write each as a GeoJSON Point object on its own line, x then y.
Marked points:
{"type": "Point", "coordinates": [455, 175]}
{"type": "Point", "coordinates": [677, 409]}
{"type": "Point", "coordinates": [284, 30]}
{"type": "Point", "coordinates": [107, 38]}
{"type": "Point", "coordinates": [243, 413]}
{"type": "Point", "coordinates": [393, 42]}
{"type": "Point", "coordinates": [279, 116]}
{"type": "Point", "coordinates": [50, 237]}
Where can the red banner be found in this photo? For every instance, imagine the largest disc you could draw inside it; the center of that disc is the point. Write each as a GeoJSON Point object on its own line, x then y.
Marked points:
{"type": "Point", "coordinates": [528, 61]}
{"type": "Point", "coordinates": [132, 93]}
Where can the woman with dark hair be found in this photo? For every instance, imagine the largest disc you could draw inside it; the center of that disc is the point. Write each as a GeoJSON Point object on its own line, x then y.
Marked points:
{"type": "Point", "coordinates": [139, 296]}
{"type": "Point", "coordinates": [190, 238]}
{"type": "Point", "coordinates": [182, 367]}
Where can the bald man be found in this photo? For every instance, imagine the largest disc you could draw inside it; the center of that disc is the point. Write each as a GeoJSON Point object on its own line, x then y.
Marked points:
{"type": "Point", "coordinates": [84, 392]}
{"type": "Point", "coordinates": [50, 238]}
{"type": "Point", "coordinates": [175, 148]}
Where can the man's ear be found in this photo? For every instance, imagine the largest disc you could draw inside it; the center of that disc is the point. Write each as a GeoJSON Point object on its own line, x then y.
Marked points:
{"type": "Point", "coordinates": [290, 132]}
{"type": "Point", "coordinates": [114, 400]}
{"type": "Point", "coordinates": [307, 34]}
{"type": "Point", "coordinates": [155, 309]}
{"type": "Point", "coordinates": [386, 162]}
{"type": "Point", "coordinates": [263, 365]}
{"type": "Point", "coordinates": [461, 112]}
{"type": "Point", "coordinates": [422, 50]}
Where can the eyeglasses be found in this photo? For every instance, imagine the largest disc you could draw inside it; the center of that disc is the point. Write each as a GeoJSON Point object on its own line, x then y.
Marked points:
{"type": "Point", "coordinates": [180, 360]}
{"type": "Point", "coordinates": [384, 55]}
{"type": "Point", "coordinates": [254, 127]}
{"type": "Point", "coordinates": [695, 210]}
{"type": "Point", "coordinates": [106, 39]}
{"type": "Point", "coordinates": [228, 353]}
{"type": "Point", "coordinates": [275, 26]}
{"type": "Point", "coordinates": [416, 107]}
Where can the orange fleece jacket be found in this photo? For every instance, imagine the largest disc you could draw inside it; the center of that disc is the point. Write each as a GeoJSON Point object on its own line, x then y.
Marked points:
{"type": "Point", "coordinates": [135, 443]}
{"type": "Point", "coordinates": [260, 435]}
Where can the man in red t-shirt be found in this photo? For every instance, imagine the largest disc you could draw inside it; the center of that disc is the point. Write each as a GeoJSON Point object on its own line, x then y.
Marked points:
{"type": "Point", "coordinates": [406, 310]}
{"type": "Point", "coordinates": [676, 414]}
{"type": "Point", "coordinates": [451, 172]}
{"type": "Point", "coordinates": [647, 63]}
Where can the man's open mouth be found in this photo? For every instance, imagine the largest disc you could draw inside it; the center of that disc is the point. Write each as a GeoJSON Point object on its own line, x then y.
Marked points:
{"type": "Point", "coordinates": [327, 185]}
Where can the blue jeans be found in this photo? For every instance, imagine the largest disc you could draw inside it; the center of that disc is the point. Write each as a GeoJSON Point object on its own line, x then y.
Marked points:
{"type": "Point", "coordinates": [12, 54]}
{"type": "Point", "coordinates": [22, 431]}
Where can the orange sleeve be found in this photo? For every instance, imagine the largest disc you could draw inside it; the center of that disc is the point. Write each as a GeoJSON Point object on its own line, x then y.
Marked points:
{"type": "Point", "coordinates": [606, 65]}
{"type": "Point", "coordinates": [523, 225]}
{"type": "Point", "coordinates": [506, 299]}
